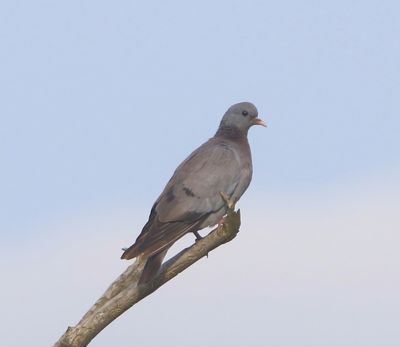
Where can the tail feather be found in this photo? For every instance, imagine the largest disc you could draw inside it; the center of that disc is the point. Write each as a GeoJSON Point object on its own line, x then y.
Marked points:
{"type": "Point", "coordinates": [130, 252]}
{"type": "Point", "coordinates": [152, 266]}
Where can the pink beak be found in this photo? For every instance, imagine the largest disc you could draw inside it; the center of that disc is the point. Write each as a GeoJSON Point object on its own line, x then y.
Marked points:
{"type": "Point", "coordinates": [259, 121]}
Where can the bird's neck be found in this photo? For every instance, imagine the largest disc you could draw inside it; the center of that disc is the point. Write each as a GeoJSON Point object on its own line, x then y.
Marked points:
{"type": "Point", "coordinates": [231, 133]}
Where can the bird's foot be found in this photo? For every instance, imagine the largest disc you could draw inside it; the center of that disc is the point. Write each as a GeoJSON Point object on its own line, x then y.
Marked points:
{"type": "Point", "coordinates": [230, 203]}
{"type": "Point", "coordinates": [198, 236]}
{"type": "Point", "coordinates": [221, 222]}
{"type": "Point", "coordinates": [231, 216]}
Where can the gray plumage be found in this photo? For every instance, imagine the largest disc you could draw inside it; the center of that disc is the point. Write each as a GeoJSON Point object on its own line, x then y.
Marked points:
{"type": "Point", "coordinates": [192, 199]}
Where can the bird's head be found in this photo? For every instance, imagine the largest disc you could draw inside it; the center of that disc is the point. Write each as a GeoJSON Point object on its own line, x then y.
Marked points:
{"type": "Point", "coordinates": [240, 117]}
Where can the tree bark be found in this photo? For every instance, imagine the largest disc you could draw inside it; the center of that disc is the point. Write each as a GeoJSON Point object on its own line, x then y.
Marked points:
{"type": "Point", "coordinates": [124, 292]}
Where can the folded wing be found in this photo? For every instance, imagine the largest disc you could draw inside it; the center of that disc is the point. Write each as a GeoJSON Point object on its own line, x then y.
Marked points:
{"type": "Point", "coordinates": [189, 198]}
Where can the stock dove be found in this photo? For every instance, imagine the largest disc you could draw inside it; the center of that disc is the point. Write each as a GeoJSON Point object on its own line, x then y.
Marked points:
{"type": "Point", "coordinates": [214, 176]}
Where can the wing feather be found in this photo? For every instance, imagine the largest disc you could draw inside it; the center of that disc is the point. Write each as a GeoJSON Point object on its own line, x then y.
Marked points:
{"type": "Point", "coordinates": [194, 189]}
{"type": "Point", "coordinates": [190, 196]}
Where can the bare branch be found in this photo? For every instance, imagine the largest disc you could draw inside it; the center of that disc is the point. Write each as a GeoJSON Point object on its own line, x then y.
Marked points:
{"type": "Point", "coordinates": [124, 292]}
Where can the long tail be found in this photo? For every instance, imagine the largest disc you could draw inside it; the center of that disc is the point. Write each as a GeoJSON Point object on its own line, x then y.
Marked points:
{"type": "Point", "coordinates": [152, 266]}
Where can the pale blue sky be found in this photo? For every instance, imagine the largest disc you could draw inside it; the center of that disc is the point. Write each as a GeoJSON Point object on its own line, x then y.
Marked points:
{"type": "Point", "coordinates": [101, 101]}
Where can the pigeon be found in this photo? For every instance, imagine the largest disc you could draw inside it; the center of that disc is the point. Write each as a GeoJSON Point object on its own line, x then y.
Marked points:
{"type": "Point", "coordinates": [208, 182]}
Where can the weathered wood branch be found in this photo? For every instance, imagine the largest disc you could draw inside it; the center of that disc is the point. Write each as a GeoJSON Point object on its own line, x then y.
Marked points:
{"type": "Point", "coordinates": [124, 292]}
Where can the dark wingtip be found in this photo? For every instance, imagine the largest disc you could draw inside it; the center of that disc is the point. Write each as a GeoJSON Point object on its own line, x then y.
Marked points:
{"type": "Point", "coordinates": [128, 253]}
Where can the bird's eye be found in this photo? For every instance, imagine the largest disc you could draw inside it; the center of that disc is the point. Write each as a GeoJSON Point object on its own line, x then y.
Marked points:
{"type": "Point", "coordinates": [245, 113]}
